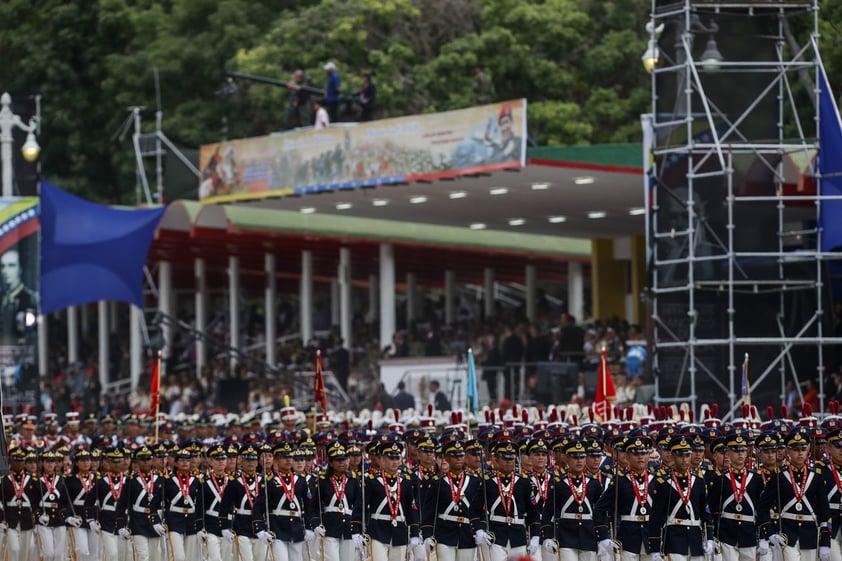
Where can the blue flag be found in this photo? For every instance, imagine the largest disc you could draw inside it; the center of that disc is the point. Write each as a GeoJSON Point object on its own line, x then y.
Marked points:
{"type": "Point", "coordinates": [830, 165]}
{"type": "Point", "coordinates": [472, 393]}
{"type": "Point", "coordinates": [91, 252]}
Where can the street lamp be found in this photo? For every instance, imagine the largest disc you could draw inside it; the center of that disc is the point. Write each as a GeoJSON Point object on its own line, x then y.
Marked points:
{"type": "Point", "coordinates": [8, 122]}
{"type": "Point", "coordinates": [711, 57]}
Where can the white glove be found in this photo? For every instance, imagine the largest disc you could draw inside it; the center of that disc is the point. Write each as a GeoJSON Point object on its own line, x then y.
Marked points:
{"type": "Point", "coordinates": [657, 556]}
{"type": "Point", "coordinates": [359, 542]}
{"type": "Point", "coordinates": [534, 546]}
{"type": "Point", "coordinates": [309, 535]}
{"type": "Point", "coordinates": [414, 542]}
{"type": "Point", "coordinates": [708, 548]}
{"type": "Point", "coordinates": [44, 519]}
{"type": "Point", "coordinates": [763, 547]}
{"type": "Point", "coordinates": [124, 533]}
{"type": "Point", "coordinates": [160, 530]}
{"type": "Point", "coordinates": [776, 540]}
{"type": "Point", "coordinates": [430, 544]}
{"type": "Point", "coordinates": [265, 537]}
{"type": "Point", "coordinates": [73, 521]}
{"type": "Point", "coordinates": [94, 525]}
{"type": "Point", "coordinates": [605, 548]}
{"type": "Point", "coordinates": [481, 537]}
{"type": "Point", "coordinates": [549, 545]}
{"type": "Point", "coordinates": [3, 528]}
{"type": "Point", "coordinates": [228, 535]}
{"type": "Point", "coordinates": [824, 553]}
{"type": "Point", "coordinates": [320, 531]}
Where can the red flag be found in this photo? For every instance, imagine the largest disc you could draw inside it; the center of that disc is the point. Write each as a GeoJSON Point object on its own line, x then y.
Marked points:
{"type": "Point", "coordinates": [319, 394]}
{"type": "Point", "coordinates": [605, 392]}
{"type": "Point", "coordinates": [155, 390]}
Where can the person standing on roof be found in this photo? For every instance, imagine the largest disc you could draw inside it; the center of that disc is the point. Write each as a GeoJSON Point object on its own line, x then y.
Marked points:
{"type": "Point", "coordinates": [333, 90]}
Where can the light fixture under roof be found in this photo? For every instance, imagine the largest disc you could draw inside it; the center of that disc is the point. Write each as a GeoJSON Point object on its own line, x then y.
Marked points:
{"type": "Point", "coordinates": [637, 211]}
{"type": "Point", "coordinates": [477, 226]}
{"type": "Point", "coordinates": [457, 194]}
{"type": "Point", "coordinates": [597, 214]}
{"type": "Point", "coordinates": [587, 180]}
{"type": "Point", "coordinates": [417, 200]}
{"type": "Point", "coordinates": [499, 191]}
{"type": "Point", "coordinates": [557, 219]}
{"type": "Point", "coordinates": [540, 186]}
{"type": "Point", "coordinates": [308, 210]}
{"type": "Point", "coordinates": [380, 202]}
{"type": "Point", "coordinates": [517, 222]}
{"type": "Point", "coordinates": [343, 206]}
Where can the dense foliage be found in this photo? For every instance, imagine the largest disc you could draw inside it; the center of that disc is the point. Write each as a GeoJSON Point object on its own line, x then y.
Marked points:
{"type": "Point", "coordinates": [577, 61]}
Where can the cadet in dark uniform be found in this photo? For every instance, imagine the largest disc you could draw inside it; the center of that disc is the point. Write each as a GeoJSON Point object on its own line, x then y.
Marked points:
{"type": "Point", "coordinates": [833, 486]}
{"type": "Point", "coordinates": [798, 495]}
{"type": "Point", "coordinates": [19, 492]}
{"type": "Point", "coordinates": [53, 510]}
{"type": "Point", "coordinates": [391, 510]}
{"type": "Point", "coordinates": [177, 495]}
{"type": "Point", "coordinates": [452, 523]}
{"type": "Point", "coordinates": [680, 526]}
{"type": "Point", "coordinates": [79, 485]}
{"type": "Point", "coordinates": [136, 500]}
{"type": "Point", "coordinates": [103, 502]}
{"type": "Point", "coordinates": [238, 507]}
{"type": "Point", "coordinates": [567, 521]}
{"type": "Point", "coordinates": [338, 499]}
{"type": "Point", "coordinates": [215, 482]}
{"type": "Point", "coordinates": [513, 516]}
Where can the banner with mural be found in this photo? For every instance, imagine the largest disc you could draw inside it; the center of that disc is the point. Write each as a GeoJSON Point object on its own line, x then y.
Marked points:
{"type": "Point", "coordinates": [419, 147]}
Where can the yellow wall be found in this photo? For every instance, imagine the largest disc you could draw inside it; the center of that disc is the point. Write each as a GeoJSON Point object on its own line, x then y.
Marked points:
{"type": "Point", "coordinates": [608, 280]}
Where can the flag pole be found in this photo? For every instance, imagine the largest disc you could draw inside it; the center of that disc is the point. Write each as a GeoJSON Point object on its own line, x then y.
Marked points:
{"type": "Point", "coordinates": [603, 357]}
{"type": "Point", "coordinates": [157, 390]}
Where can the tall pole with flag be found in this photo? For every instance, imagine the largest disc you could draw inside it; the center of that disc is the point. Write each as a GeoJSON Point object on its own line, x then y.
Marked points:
{"type": "Point", "coordinates": [472, 392]}
{"type": "Point", "coordinates": [155, 393]}
{"type": "Point", "coordinates": [605, 391]}
{"type": "Point", "coordinates": [319, 394]}
{"type": "Point", "coordinates": [745, 385]}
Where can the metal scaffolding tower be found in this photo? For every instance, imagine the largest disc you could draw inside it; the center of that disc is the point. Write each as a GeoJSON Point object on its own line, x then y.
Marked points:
{"type": "Point", "coordinates": [732, 224]}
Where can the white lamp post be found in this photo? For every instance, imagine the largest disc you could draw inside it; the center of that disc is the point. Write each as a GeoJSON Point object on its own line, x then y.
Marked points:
{"type": "Point", "coordinates": [8, 122]}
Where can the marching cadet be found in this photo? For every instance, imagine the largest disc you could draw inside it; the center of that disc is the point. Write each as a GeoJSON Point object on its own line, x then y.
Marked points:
{"type": "Point", "coordinates": [733, 497]}
{"type": "Point", "coordinates": [337, 503]}
{"type": "Point", "coordinates": [213, 489]}
{"type": "Point", "coordinates": [680, 526]}
{"type": "Point", "coordinates": [798, 495]}
{"type": "Point", "coordinates": [426, 463]}
{"type": "Point", "coordinates": [626, 504]}
{"type": "Point", "coordinates": [102, 502]}
{"type": "Point", "coordinates": [286, 499]}
{"type": "Point", "coordinates": [539, 476]}
{"type": "Point", "coordinates": [595, 468]}
{"type": "Point", "coordinates": [567, 525]}
{"type": "Point", "coordinates": [513, 516]}
{"type": "Point", "coordinates": [136, 501]}
{"type": "Point", "coordinates": [451, 511]}
{"type": "Point", "coordinates": [473, 457]}
{"type": "Point", "coordinates": [79, 485]}
{"type": "Point", "coordinates": [833, 485]}
{"type": "Point", "coordinates": [19, 491]}
{"type": "Point", "coordinates": [766, 446]}
{"type": "Point", "coordinates": [238, 508]}
{"type": "Point", "coordinates": [391, 511]}
{"type": "Point", "coordinates": [53, 510]}
{"type": "Point", "coordinates": [177, 495]}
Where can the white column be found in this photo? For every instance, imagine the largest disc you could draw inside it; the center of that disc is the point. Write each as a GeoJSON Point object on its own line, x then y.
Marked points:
{"type": "Point", "coordinates": [42, 344]}
{"type": "Point", "coordinates": [306, 296]}
{"type": "Point", "coordinates": [72, 335]}
{"type": "Point", "coordinates": [113, 314]}
{"type": "Point", "coordinates": [165, 300]}
{"type": "Point", "coordinates": [387, 294]}
{"type": "Point", "coordinates": [490, 292]}
{"type": "Point", "coordinates": [372, 299]}
{"type": "Point", "coordinates": [344, 274]}
{"type": "Point", "coordinates": [411, 297]}
{"type": "Point", "coordinates": [201, 287]}
{"type": "Point", "coordinates": [575, 290]}
{"type": "Point", "coordinates": [135, 346]}
{"type": "Point", "coordinates": [102, 329]}
{"type": "Point", "coordinates": [85, 317]}
{"type": "Point", "coordinates": [449, 296]}
{"type": "Point", "coordinates": [270, 309]}
{"type": "Point", "coordinates": [335, 315]}
{"type": "Point", "coordinates": [234, 306]}
{"type": "Point", "coordinates": [531, 282]}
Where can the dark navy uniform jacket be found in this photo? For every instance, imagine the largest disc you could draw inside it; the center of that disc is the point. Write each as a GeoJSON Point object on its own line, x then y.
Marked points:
{"type": "Point", "coordinates": [288, 517]}
{"type": "Point", "coordinates": [78, 496]}
{"type": "Point", "coordinates": [238, 504]}
{"type": "Point", "coordinates": [336, 515]}
{"type": "Point", "coordinates": [452, 523]}
{"type": "Point", "coordinates": [632, 515]}
{"type": "Point", "coordinates": [806, 526]}
{"type": "Point", "coordinates": [676, 526]}
{"type": "Point", "coordinates": [136, 502]}
{"type": "Point", "coordinates": [735, 523]}
{"type": "Point", "coordinates": [523, 519]}
{"type": "Point", "coordinates": [17, 511]}
{"type": "Point", "coordinates": [104, 502]}
{"type": "Point", "coordinates": [177, 495]}
{"type": "Point", "coordinates": [568, 520]}
{"type": "Point", "coordinates": [53, 501]}
{"type": "Point", "coordinates": [378, 516]}
{"type": "Point", "coordinates": [833, 485]}
{"type": "Point", "coordinates": [213, 492]}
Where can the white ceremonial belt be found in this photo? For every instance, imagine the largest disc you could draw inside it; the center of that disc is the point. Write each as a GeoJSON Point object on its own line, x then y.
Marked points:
{"type": "Point", "coordinates": [574, 516]}
{"type": "Point", "coordinates": [683, 522]}
{"type": "Point", "coordinates": [386, 517]}
{"type": "Point", "coordinates": [285, 512]}
{"type": "Point", "coordinates": [737, 517]}
{"type": "Point", "coordinates": [243, 511]}
{"type": "Point", "coordinates": [141, 509]}
{"type": "Point", "coordinates": [836, 505]}
{"type": "Point", "coordinates": [507, 519]}
{"type": "Point", "coordinates": [180, 510]}
{"type": "Point", "coordinates": [212, 513]}
{"type": "Point", "coordinates": [798, 517]}
{"type": "Point", "coordinates": [335, 509]}
{"type": "Point", "coordinates": [49, 505]}
{"type": "Point", "coordinates": [633, 518]}
{"type": "Point", "coordinates": [108, 508]}
{"type": "Point", "coordinates": [457, 519]}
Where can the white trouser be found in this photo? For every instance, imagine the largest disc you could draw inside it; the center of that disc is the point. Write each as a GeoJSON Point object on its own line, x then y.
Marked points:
{"type": "Point", "coordinates": [384, 552]}
{"type": "Point", "coordinates": [19, 544]}
{"type": "Point", "coordinates": [733, 553]}
{"type": "Point", "coordinates": [289, 551]}
{"type": "Point", "coordinates": [567, 554]}
{"type": "Point", "coordinates": [835, 549]}
{"type": "Point", "coordinates": [642, 556]}
{"type": "Point", "coordinates": [51, 541]}
{"type": "Point", "coordinates": [94, 544]}
{"type": "Point", "coordinates": [336, 549]}
{"type": "Point", "coordinates": [77, 539]}
{"type": "Point", "coordinates": [184, 548]}
{"type": "Point", "coordinates": [218, 549]}
{"type": "Point", "coordinates": [147, 549]}
{"type": "Point", "coordinates": [798, 554]}
{"type": "Point", "coordinates": [681, 557]}
{"type": "Point", "coordinates": [113, 547]}
{"type": "Point", "coordinates": [501, 552]}
{"type": "Point", "coordinates": [249, 549]}
{"type": "Point", "coordinates": [452, 553]}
